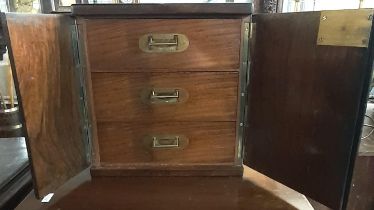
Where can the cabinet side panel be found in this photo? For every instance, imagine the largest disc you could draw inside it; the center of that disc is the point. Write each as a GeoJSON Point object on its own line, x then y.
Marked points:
{"type": "Point", "coordinates": [305, 106]}
{"type": "Point", "coordinates": [42, 62]}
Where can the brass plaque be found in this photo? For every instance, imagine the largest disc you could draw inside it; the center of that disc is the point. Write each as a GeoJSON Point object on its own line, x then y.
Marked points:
{"type": "Point", "coordinates": [163, 43]}
{"type": "Point", "coordinates": [350, 28]}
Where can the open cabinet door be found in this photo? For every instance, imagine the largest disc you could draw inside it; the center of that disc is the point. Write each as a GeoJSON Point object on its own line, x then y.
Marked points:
{"type": "Point", "coordinates": [41, 54]}
{"type": "Point", "coordinates": [307, 95]}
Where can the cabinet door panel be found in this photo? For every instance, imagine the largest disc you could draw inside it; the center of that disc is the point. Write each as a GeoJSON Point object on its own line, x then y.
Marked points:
{"type": "Point", "coordinates": [41, 55]}
{"type": "Point", "coordinates": [306, 104]}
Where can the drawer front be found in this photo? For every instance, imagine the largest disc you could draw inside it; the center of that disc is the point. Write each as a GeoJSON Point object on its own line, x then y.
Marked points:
{"type": "Point", "coordinates": [131, 97]}
{"type": "Point", "coordinates": [199, 143]}
{"type": "Point", "coordinates": [113, 44]}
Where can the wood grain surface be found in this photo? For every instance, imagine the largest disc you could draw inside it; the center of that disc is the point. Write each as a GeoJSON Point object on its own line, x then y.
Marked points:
{"type": "Point", "coordinates": [305, 106]}
{"type": "Point", "coordinates": [112, 45]}
{"type": "Point", "coordinates": [212, 142]}
{"type": "Point", "coordinates": [42, 62]}
{"type": "Point", "coordinates": [165, 10]}
{"type": "Point", "coordinates": [212, 96]}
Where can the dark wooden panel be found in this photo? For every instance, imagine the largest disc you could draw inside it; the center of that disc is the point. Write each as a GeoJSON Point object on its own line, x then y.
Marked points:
{"type": "Point", "coordinates": [211, 96]}
{"type": "Point", "coordinates": [42, 62]}
{"type": "Point", "coordinates": [361, 195]}
{"type": "Point", "coordinates": [213, 10]}
{"type": "Point", "coordinates": [305, 106]}
{"type": "Point", "coordinates": [212, 142]}
{"type": "Point", "coordinates": [113, 44]}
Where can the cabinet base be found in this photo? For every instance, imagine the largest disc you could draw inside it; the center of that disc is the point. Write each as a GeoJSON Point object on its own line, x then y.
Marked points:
{"type": "Point", "coordinates": [205, 170]}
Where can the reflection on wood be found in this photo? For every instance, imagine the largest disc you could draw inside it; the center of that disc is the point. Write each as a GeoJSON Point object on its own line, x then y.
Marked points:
{"type": "Point", "coordinates": [252, 192]}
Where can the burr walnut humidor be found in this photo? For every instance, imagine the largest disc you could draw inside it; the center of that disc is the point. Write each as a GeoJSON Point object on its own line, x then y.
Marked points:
{"type": "Point", "coordinates": [193, 90]}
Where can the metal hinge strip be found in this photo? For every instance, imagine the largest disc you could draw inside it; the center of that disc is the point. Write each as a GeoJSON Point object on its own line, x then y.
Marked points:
{"type": "Point", "coordinates": [80, 72]}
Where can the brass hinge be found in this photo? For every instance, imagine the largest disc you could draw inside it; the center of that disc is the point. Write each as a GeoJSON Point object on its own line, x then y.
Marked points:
{"type": "Point", "coordinates": [350, 28]}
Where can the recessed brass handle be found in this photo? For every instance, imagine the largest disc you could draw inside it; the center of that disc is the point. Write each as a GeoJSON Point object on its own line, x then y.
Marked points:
{"type": "Point", "coordinates": [164, 97]}
{"type": "Point", "coordinates": [163, 43]}
{"type": "Point", "coordinates": [166, 142]}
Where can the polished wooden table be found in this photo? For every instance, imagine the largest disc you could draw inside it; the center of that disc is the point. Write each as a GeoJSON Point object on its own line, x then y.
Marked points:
{"type": "Point", "coordinates": [13, 158]}
{"type": "Point", "coordinates": [15, 178]}
{"type": "Point", "coordinates": [252, 191]}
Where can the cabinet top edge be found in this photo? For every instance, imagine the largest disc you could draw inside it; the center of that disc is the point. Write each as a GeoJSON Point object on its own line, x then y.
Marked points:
{"type": "Point", "coordinates": [176, 9]}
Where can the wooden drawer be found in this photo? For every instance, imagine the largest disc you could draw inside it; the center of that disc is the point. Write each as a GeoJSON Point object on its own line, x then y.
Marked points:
{"type": "Point", "coordinates": [208, 143]}
{"type": "Point", "coordinates": [125, 97]}
{"type": "Point", "coordinates": [113, 45]}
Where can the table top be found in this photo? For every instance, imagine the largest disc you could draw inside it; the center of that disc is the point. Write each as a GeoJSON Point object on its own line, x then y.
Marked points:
{"type": "Point", "coordinates": [13, 158]}
{"type": "Point", "coordinates": [252, 191]}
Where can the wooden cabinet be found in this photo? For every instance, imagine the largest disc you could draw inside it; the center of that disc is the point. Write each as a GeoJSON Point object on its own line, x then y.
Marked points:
{"type": "Point", "coordinates": [193, 89]}
{"type": "Point", "coordinates": [164, 101]}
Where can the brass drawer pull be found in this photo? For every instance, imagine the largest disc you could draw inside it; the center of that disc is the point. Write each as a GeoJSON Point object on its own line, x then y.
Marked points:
{"type": "Point", "coordinates": [166, 142]}
{"type": "Point", "coordinates": [163, 43]}
{"type": "Point", "coordinates": [164, 97]}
